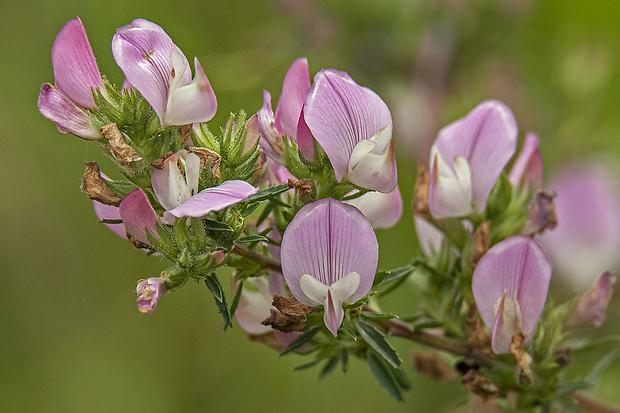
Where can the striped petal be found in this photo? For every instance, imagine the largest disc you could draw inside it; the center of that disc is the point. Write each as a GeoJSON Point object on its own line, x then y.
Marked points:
{"type": "Point", "coordinates": [326, 242]}
{"type": "Point", "coordinates": [138, 215]}
{"type": "Point", "coordinates": [75, 69]}
{"type": "Point", "coordinates": [513, 276]}
{"type": "Point", "coordinates": [58, 108]}
{"type": "Point", "coordinates": [212, 199]}
{"type": "Point", "coordinates": [294, 89]}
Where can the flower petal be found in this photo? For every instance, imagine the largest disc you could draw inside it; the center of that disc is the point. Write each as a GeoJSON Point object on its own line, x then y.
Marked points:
{"type": "Point", "coordinates": [373, 164]}
{"type": "Point", "coordinates": [340, 113]}
{"type": "Point", "coordinates": [382, 210]}
{"type": "Point", "coordinates": [138, 215]}
{"type": "Point", "coordinates": [486, 138]}
{"type": "Point", "coordinates": [169, 183]}
{"type": "Point", "coordinates": [68, 117]}
{"type": "Point", "coordinates": [253, 307]}
{"type": "Point", "coordinates": [430, 238]}
{"type": "Point", "coordinates": [110, 212]}
{"type": "Point", "coordinates": [507, 324]}
{"type": "Point", "coordinates": [586, 240]}
{"type": "Point", "coordinates": [149, 292]}
{"type": "Point", "coordinates": [212, 199]}
{"type": "Point", "coordinates": [592, 306]}
{"type": "Point", "coordinates": [327, 240]}
{"type": "Point", "coordinates": [450, 192]}
{"type": "Point", "coordinates": [191, 102]}
{"type": "Point", "coordinates": [142, 50]}
{"type": "Point", "coordinates": [75, 68]}
{"type": "Point", "coordinates": [294, 90]}
{"type": "Point", "coordinates": [271, 139]}
{"type": "Point", "coordinates": [527, 169]}
{"type": "Point", "coordinates": [519, 267]}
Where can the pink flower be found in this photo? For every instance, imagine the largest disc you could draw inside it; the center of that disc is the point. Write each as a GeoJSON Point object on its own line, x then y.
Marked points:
{"type": "Point", "coordinates": [527, 169]}
{"type": "Point", "coordinates": [76, 77]}
{"type": "Point", "coordinates": [159, 70]}
{"type": "Point", "coordinates": [467, 158]}
{"type": "Point", "coordinates": [510, 285]}
{"type": "Point", "coordinates": [592, 306]}
{"type": "Point", "coordinates": [329, 257]}
{"type": "Point", "coordinates": [382, 210]}
{"type": "Point", "coordinates": [149, 292]}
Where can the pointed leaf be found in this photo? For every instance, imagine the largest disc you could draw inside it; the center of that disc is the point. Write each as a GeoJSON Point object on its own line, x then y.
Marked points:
{"type": "Point", "coordinates": [384, 374]}
{"type": "Point", "coordinates": [377, 340]}
{"type": "Point", "coordinates": [301, 340]}
{"type": "Point", "coordinates": [216, 289]}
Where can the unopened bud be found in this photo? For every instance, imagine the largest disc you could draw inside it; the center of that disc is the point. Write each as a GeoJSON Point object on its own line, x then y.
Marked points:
{"type": "Point", "coordinates": [592, 306]}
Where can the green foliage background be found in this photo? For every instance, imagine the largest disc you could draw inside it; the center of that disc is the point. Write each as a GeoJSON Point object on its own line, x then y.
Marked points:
{"type": "Point", "coordinates": [71, 339]}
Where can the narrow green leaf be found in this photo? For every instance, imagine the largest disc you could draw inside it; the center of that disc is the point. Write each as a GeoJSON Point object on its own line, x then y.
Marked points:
{"type": "Point", "coordinates": [378, 316]}
{"type": "Point", "coordinates": [384, 374]}
{"type": "Point", "coordinates": [267, 193]}
{"type": "Point", "coordinates": [329, 366]}
{"type": "Point", "coordinates": [428, 324]}
{"type": "Point", "coordinates": [601, 365]}
{"type": "Point", "coordinates": [301, 340]}
{"type": "Point", "coordinates": [211, 225]}
{"type": "Point", "coordinates": [236, 298]}
{"type": "Point", "coordinates": [220, 299]}
{"type": "Point", "coordinates": [570, 386]}
{"type": "Point", "coordinates": [307, 365]}
{"type": "Point", "coordinates": [397, 273]}
{"type": "Point", "coordinates": [252, 238]}
{"type": "Point", "coordinates": [344, 359]}
{"type": "Point", "coordinates": [265, 213]}
{"type": "Point", "coordinates": [377, 340]}
{"type": "Point", "coordinates": [250, 208]}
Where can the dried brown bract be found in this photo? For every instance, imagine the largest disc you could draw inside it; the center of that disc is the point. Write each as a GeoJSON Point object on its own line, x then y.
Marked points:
{"type": "Point", "coordinates": [95, 188]}
{"type": "Point", "coordinates": [420, 198]}
{"type": "Point", "coordinates": [292, 315]}
{"type": "Point", "coordinates": [524, 360]}
{"type": "Point", "coordinates": [481, 242]}
{"type": "Point", "coordinates": [304, 186]}
{"type": "Point", "coordinates": [119, 149]}
{"type": "Point", "coordinates": [208, 158]}
{"type": "Point", "coordinates": [432, 366]}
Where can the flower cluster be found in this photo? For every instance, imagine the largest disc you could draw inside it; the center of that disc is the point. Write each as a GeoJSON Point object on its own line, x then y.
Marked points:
{"type": "Point", "coordinates": [291, 199]}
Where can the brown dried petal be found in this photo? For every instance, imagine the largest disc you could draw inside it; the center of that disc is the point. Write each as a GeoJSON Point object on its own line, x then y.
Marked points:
{"type": "Point", "coordinates": [292, 315]}
{"type": "Point", "coordinates": [476, 383]}
{"type": "Point", "coordinates": [477, 338]}
{"type": "Point", "coordinates": [432, 366]}
{"type": "Point", "coordinates": [305, 187]}
{"type": "Point", "coordinates": [523, 359]}
{"type": "Point", "coordinates": [95, 188]}
{"type": "Point", "coordinates": [205, 155]}
{"type": "Point", "coordinates": [119, 149]}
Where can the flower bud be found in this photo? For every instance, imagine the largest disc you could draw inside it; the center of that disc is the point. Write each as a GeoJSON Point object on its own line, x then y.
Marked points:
{"type": "Point", "coordinates": [149, 291]}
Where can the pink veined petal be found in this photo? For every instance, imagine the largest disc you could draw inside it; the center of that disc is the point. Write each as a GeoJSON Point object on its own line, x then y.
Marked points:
{"type": "Point", "coordinates": [252, 134]}
{"type": "Point", "coordinates": [138, 215]}
{"type": "Point", "coordinates": [142, 50]}
{"type": "Point", "coordinates": [294, 89]}
{"type": "Point", "coordinates": [271, 139]}
{"type": "Point", "coordinates": [333, 313]}
{"type": "Point", "coordinates": [586, 240]}
{"type": "Point", "coordinates": [487, 139]}
{"type": "Point", "coordinates": [340, 113]}
{"type": "Point", "coordinates": [382, 210]}
{"type": "Point", "coordinates": [191, 102]}
{"type": "Point", "coordinates": [75, 69]}
{"type": "Point", "coordinates": [502, 330]}
{"type": "Point", "coordinates": [327, 240]}
{"type": "Point", "coordinates": [527, 169]}
{"type": "Point", "coordinates": [212, 199]}
{"type": "Point", "coordinates": [253, 307]}
{"type": "Point", "coordinates": [110, 212]}
{"type": "Point", "coordinates": [68, 117]}
{"type": "Point", "coordinates": [305, 140]}
{"type": "Point", "coordinates": [519, 267]}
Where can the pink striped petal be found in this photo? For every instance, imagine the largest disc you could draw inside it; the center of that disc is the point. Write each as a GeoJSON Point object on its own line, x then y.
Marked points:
{"type": "Point", "coordinates": [486, 139]}
{"type": "Point", "coordinates": [212, 199]}
{"type": "Point", "coordinates": [143, 51]}
{"type": "Point", "coordinates": [271, 140]}
{"type": "Point", "coordinates": [341, 114]}
{"type": "Point", "coordinates": [110, 212]}
{"type": "Point", "coordinates": [75, 68]}
{"type": "Point", "coordinates": [294, 89]}
{"type": "Point", "coordinates": [527, 169]}
{"type": "Point", "coordinates": [327, 240]}
{"type": "Point", "coordinates": [518, 268]}
{"type": "Point", "coordinates": [138, 215]}
{"type": "Point", "coordinates": [68, 117]}
{"type": "Point", "coordinates": [382, 210]}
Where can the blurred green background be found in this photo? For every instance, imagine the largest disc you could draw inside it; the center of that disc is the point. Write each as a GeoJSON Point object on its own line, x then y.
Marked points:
{"type": "Point", "coordinates": [71, 339]}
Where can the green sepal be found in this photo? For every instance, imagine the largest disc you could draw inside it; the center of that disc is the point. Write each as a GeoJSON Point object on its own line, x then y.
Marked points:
{"type": "Point", "coordinates": [386, 276]}
{"type": "Point", "coordinates": [120, 188]}
{"type": "Point", "coordinates": [300, 341]}
{"type": "Point", "coordinates": [216, 226]}
{"type": "Point", "coordinates": [377, 340]}
{"type": "Point", "coordinates": [294, 163]}
{"type": "Point", "coordinates": [250, 208]}
{"type": "Point", "coordinates": [181, 232]}
{"type": "Point", "coordinates": [499, 198]}
{"type": "Point", "coordinates": [213, 283]}
{"type": "Point", "coordinates": [205, 139]}
{"type": "Point", "coordinates": [252, 239]}
{"type": "Point", "coordinates": [378, 316]}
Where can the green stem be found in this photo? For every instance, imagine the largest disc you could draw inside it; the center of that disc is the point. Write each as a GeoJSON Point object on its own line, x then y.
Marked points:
{"type": "Point", "coordinates": [256, 257]}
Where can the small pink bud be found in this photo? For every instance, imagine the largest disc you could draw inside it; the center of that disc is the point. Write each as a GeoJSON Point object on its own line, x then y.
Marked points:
{"type": "Point", "coordinates": [149, 291]}
{"type": "Point", "coordinates": [592, 306]}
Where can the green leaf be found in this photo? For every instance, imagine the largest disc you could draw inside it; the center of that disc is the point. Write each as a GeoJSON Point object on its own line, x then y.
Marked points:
{"type": "Point", "coordinates": [382, 277]}
{"type": "Point", "coordinates": [601, 365]}
{"type": "Point", "coordinates": [377, 340]}
{"type": "Point", "coordinates": [252, 238]}
{"type": "Point", "coordinates": [265, 213]}
{"type": "Point", "coordinates": [344, 359]}
{"type": "Point", "coordinates": [428, 324]}
{"type": "Point", "coordinates": [500, 197]}
{"type": "Point", "coordinates": [329, 366]}
{"type": "Point", "coordinates": [378, 316]}
{"type": "Point", "coordinates": [267, 193]}
{"type": "Point", "coordinates": [214, 226]}
{"type": "Point", "coordinates": [307, 365]}
{"type": "Point", "coordinates": [570, 386]}
{"type": "Point", "coordinates": [250, 208]}
{"type": "Point", "coordinates": [220, 299]}
{"type": "Point", "coordinates": [301, 340]}
{"type": "Point", "coordinates": [111, 221]}
{"type": "Point", "coordinates": [383, 372]}
{"type": "Point", "coordinates": [236, 298]}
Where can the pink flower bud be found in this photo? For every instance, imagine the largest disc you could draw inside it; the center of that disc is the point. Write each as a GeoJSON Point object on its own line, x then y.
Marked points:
{"type": "Point", "coordinates": [149, 291]}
